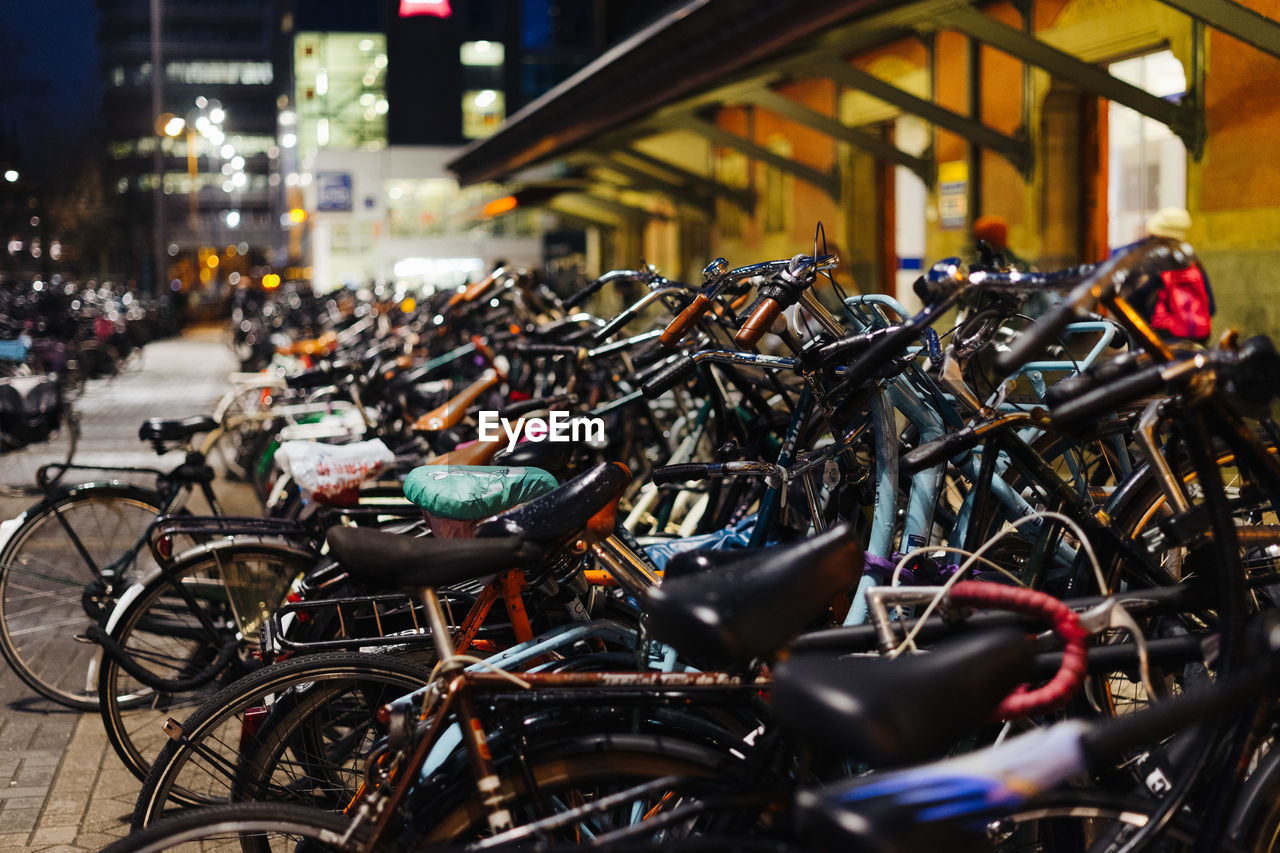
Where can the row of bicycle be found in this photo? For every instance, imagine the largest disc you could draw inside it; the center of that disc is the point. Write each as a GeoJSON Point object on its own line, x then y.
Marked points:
{"type": "Point", "coordinates": [54, 336]}
{"type": "Point", "coordinates": [1031, 562]}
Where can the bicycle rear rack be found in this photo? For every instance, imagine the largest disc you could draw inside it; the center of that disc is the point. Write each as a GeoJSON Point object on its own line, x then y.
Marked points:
{"type": "Point", "coordinates": [202, 528]}
{"type": "Point", "coordinates": [363, 622]}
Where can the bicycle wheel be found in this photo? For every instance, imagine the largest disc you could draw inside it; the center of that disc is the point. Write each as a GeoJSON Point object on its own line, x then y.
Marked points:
{"type": "Point", "coordinates": [44, 602]}
{"type": "Point", "coordinates": [1141, 506]}
{"type": "Point", "coordinates": [321, 695]}
{"type": "Point", "coordinates": [577, 772]}
{"type": "Point", "coordinates": [179, 629]}
{"type": "Point", "coordinates": [1076, 820]}
{"type": "Point", "coordinates": [247, 827]}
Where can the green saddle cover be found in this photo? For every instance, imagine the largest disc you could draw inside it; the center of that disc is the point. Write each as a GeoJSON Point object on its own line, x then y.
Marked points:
{"type": "Point", "coordinates": [470, 492]}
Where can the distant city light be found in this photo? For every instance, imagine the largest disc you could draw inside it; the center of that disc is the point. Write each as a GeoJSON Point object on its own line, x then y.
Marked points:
{"type": "Point", "coordinates": [227, 152]}
{"type": "Point", "coordinates": [435, 8]}
{"type": "Point", "coordinates": [174, 126]}
{"type": "Point", "coordinates": [217, 115]}
{"type": "Point", "coordinates": [237, 162]}
{"type": "Point", "coordinates": [11, 175]}
{"type": "Point", "coordinates": [288, 140]}
{"type": "Point", "coordinates": [366, 44]}
{"type": "Point", "coordinates": [233, 219]}
{"type": "Point", "coordinates": [485, 98]}
{"type": "Point", "coordinates": [322, 82]}
{"type": "Point", "coordinates": [288, 117]}
{"type": "Point", "coordinates": [271, 281]}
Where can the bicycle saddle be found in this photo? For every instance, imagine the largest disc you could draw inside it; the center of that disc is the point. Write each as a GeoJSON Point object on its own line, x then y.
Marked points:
{"type": "Point", "coordinates": [564, 512]}
{"type": "Point", "coordinates": [175, 429]}
{"type": "Point", "coordinates": [884, 711]}
{"type": "Point", "coordinates": [750, 606]}
{"type": "Point", "coordinates": [399, 560]}
{"type": "Point", "coordinates": [470, 492]}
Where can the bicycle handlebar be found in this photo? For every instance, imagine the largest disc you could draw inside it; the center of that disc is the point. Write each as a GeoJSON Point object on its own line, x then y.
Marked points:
{"type": "Point", "coordinates": [1066, 624]}
{"type": "Point", "coordinates": [611, 276]}
{"type": "Point", "coordinates": [1108, 279]}
{"type": "Point", "coordinates": [1098, 400]}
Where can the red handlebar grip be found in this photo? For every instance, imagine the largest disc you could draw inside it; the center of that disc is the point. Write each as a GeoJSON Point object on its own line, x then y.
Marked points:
{"type": "Point", "coordinates": [760, 321]}
{"type": "Point", "coordinates": [1066, 624]}
{"type": "Point", "coordinates": [676, 329]}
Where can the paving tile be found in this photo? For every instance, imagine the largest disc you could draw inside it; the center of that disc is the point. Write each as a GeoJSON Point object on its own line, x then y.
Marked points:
{"type": "Point", "coordinates": [62, 787]}
{"type": "Point", "coordinates": [54, 835]}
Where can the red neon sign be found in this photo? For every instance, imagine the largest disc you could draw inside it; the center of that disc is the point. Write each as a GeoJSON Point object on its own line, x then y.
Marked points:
{"type": "Point", "coordinates": [434, 8]}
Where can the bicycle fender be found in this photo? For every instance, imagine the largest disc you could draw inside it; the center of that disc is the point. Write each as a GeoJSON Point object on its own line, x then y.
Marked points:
{"type": "Point", "coordinates": [10, 527]}
{"type": "Point", "coordinates": [126, 599]}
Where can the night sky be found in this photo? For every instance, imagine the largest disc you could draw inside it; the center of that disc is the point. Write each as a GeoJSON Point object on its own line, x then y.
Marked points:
{"type": "Point", "coordinates": [48, 84]}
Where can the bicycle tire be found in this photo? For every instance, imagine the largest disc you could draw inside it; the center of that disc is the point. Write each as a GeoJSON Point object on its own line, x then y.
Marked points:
{"type": "Point", "coordinates": [161, 632]}
{"type": "Point", "coordinates": [42, 582]}
{"type": "Point", "coordinates": [1079, 804]}
{"type": "Point", "coordinates": [182, 772]}
{"type": "Point", "coordinates": [450, 809]}
{"type": "Point", "coordinates": [244, 825]}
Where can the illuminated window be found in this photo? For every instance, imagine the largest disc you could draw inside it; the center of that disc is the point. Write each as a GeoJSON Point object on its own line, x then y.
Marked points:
{"type": "Point", "coordinates": [208, 73]}
{"type": "Point", "coordinates": [1146, 162]}
{"type": "Point", "coordinates": [482, 53]}
{"type": "Point", "coordinates": [341, 93]}
{"type": "Point", "coordinates": [483, 111]}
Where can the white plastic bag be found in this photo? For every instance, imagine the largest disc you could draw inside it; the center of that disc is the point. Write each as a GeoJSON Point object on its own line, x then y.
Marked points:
{"type": "Point", "coordinates": [328, 469]}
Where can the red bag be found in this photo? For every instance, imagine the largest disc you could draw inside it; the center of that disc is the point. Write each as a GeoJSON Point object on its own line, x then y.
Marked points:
{"type": "Point", "coordinates": [1182, 310]}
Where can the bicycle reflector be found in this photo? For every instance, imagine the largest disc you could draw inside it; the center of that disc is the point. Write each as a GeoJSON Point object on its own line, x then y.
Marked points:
{"type": "Point", "coordinates": [253, 718]}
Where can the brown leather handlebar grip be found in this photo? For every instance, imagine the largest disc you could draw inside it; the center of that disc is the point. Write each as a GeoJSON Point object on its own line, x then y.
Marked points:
{"type": "Point", "coordinates": [675, 330]}
{"type": "Point", "coordinates": [471, 291]}
{"type": "Point", "coordinates": [760, 321]}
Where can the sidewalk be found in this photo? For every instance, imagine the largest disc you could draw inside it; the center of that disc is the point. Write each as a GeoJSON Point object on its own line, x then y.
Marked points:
{"type": "Point", "coordinates": [62, 788]}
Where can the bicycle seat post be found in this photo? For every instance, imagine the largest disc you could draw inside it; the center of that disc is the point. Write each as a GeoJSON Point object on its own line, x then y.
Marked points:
{"type": "Point", "coordinates": [440, 633]}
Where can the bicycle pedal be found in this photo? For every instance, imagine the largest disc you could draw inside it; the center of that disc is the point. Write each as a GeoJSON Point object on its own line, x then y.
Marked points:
{"type": "Point", "coordinates": [83, 638]}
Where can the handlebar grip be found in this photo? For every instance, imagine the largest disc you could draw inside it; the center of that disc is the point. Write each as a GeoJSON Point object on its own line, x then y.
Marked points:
{"type": "Point", "coordinates": [582, 295]}
{"type": "Point", "coordinates": [470, 292]}
{"type": "Point", "coordinates": [1109, 397]}
{"type": "Point", "coordinates": [1068, 389]}
{"type": "Point", "coordinates": [667, 378]}
{"type": "Point", "coordinates": [679, 473]}
{"type": "Point", "coordinates": [890, 343]}
{"type": "Point", "coordinates": [930, 454]}
{"type": "Point", "coordinates": [677, 328]}
{"type": "Point", "coordinates": [760, 321]}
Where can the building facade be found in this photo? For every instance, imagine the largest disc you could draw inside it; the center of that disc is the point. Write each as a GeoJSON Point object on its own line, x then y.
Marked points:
{"type": "Point", "coordinates": [192, 160]}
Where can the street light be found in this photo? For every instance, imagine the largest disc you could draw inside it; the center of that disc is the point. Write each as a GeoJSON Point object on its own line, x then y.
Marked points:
{"type": "Point", "coordinates": [11, 175]}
